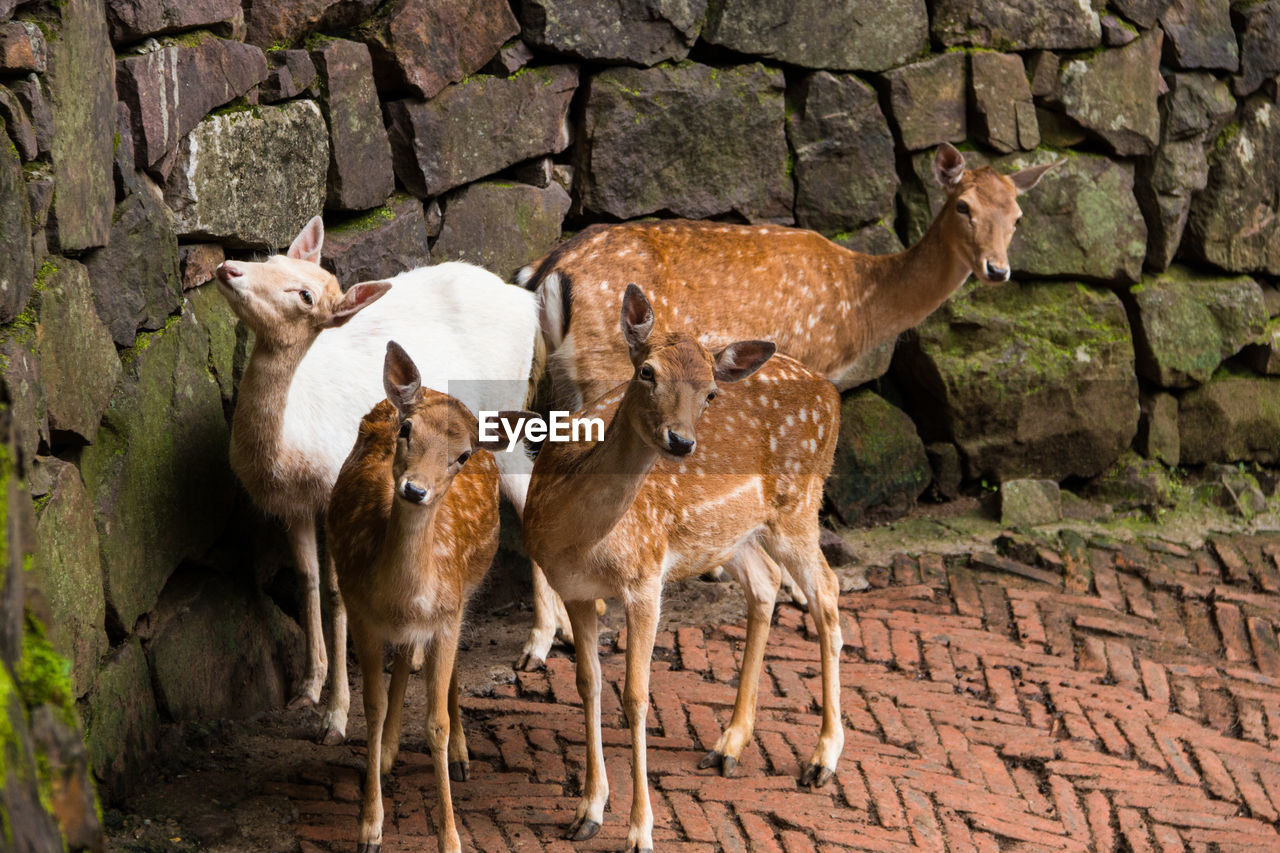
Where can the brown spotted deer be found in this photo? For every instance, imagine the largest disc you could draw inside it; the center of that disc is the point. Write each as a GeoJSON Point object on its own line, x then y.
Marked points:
{"type": "Point", "coordinates": [822, 304]}
{"type": "Point", "coordinates": [413, 527]}
{"type": "Point", "coordinates": [653, 502]}
{"type": "Point", "coordinates": [315, 371]}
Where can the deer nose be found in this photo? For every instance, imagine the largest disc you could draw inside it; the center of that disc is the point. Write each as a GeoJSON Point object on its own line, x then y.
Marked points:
{"type": "Point", "coordinates": [679, 445]}
{"type": "Point", "coordinates": [413, 493]}
{"type": "Point", "coordinates": [227, 271]}
{"type": "Point", "coordinates": [995, 272]}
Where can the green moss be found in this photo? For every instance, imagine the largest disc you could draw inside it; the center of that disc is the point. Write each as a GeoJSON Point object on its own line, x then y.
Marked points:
{"type": "Point", "coordinates": [367, 221]}
{"type": "Point", "coordinates": [279, 44]}
{"type": "Point", "coordinates": [317, 41]}
{"type": "Point", "coordinates": [43, 675]}
{"type": "Point", "coordinates": [47, 270]}
{"type": "Point", "coordinates": [195, 38]}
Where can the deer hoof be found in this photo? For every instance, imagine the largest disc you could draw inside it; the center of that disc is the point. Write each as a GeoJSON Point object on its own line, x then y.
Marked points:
{"type": "Point", "coordinates": [530, 662]}
{"type": "Point", "coordinates": [332, 736]}
{"type": "Point", "coordinates": [815, 776]}
{"type": "Point", "coordinates": [711, 759]}
{"type": "Point", "coordinates": [302, 700]}
{"type": "Point", "coordinates": [372, 847]}
{"type": "Point", "coordinates": [581, 829]}
{"type": "Point", "coordinates": [728, 766]}
{"type": "Point", "coordinates": [459, 771]}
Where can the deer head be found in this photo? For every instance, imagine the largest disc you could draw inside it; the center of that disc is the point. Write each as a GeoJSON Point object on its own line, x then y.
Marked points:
{"type": "Point", "coordinates": [981, 210]}
{"type": "Point", "coordinates": [675, 377]}
{"type": "Point", "coordinates": [290, 299]}
{"type": "Point", "coordinates": [437, 435]}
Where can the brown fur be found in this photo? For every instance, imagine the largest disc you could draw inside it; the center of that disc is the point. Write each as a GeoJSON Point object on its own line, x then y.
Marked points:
{"type": "Point", "coordinates": [822, 304]}
{"type": "Point", "coordinates": [618, 517]}
{"type": "Point", "coordinates": [406, 572]}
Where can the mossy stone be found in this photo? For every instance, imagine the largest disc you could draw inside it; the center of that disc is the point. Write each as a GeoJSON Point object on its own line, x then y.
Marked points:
{"type": "Point", "coordinates": [880, 465]}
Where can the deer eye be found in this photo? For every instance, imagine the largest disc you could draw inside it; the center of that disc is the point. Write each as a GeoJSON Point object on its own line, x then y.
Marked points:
{"type": "Point", "coordinates": [405, 429]}
{"type": "Point", "coordinates": [463, 457]}
{"type": "Point", "coordinates": [305, 296]}
{"type": "Point", "coordinates": [711, 396]}
{"type": "Point", "coordinates": [646, 372]}
{"type": "Point", "coordinates": [962, 207]}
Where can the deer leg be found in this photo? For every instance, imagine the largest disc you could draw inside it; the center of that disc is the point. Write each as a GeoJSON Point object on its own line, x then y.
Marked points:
{"type": "Point", "coordinates": [820, 585]}
{"type": "Point", "coordinates": [302, 541]}
{"type": "Point", "coordinates": [440, 665]}
{"type": "Point", "coordinates": [369, 652]}
{"type": "Point", "coordinates": [595, 788]}
{"type": "Point", "coordinates": [642, 630]}
{"type": "Point", "coordinates": [459, 759]}
{"type": "Point", "coordinates": [549, 619]}
{"type": "Point", "coordinates": [334, 727]}
{"type": "Point", "coordinates": [759, 577]}
{"type": "Point", "coordinates": [418, 658]}
{"type": "Point", "coordinates": [395, 707]}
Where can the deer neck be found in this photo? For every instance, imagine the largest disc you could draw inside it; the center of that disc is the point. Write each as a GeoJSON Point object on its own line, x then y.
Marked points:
{"type": "Point", "coordinates": [908, 286]}
{"type": "Point", "coordinates": [257, 426]}
{"type": "Point", "coordinates": [616, 468]}
{"type": "Point", "coordinates": [409, 538]}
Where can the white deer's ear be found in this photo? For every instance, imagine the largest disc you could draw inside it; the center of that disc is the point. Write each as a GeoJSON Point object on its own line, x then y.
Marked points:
{"type": "Point", "coordinates": [948, 166]}
{"type": "Point", "coordinates": [637, 319]}
{"type": "Point", "coordinates": [356, 299]}
{"type": "Point", "coordinates": [400, 378]}
{"type": "Point", "coordinates": [1030, 176]}
{"type": "Point", "coordinates": [740, 360]}
{"type": "Point", "coordinates": [310, 240]}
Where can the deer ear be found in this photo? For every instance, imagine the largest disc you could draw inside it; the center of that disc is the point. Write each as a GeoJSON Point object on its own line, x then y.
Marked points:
{"type": "Point", "coordinates": [400, 378]}
{"type": "Point", "coordinates": [355, 300]}
{"type": "Point", "coordinates": [637, 319]}
{"type": "Point", "coordinates": [495, 433]}
{"type": "Point", "coordinates": [740, 360]}
{"type": "Point", "coordinates": [306, 246]}
{"type": "Point", "coordinates": [948, 165]}
{"type": "Point", "coordinates": [1030, 176]}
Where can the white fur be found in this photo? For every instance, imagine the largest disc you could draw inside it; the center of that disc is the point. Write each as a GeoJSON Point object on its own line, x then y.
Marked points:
{"type": "Point", "coordinates": [457, 322]}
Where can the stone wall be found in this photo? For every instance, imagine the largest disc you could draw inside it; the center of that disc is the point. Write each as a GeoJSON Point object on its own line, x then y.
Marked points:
{"type": "Point", "coordinates": [145, 140]}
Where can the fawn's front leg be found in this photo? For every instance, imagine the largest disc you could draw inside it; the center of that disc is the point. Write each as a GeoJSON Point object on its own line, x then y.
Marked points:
{"type": "Point", "coordinates": [642, 630]}
{"type": "Point", "coordinates": [395, 707]}
{"type": "Point", "coordinates": [369, 653]}
{"type": "Point", "coordinates": [334, 727]}
{"type": "Point", "coordinates": [595, 788]}
{"type": "Point", "coordinates": [439, 668]}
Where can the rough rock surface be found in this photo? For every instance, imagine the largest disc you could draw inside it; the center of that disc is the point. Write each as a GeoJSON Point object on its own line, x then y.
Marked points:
{"type": "Point", "coordinates": [198, 262]}
{"type": "Point", "coordinates": [275, 23]}
{"type": "Point", "coordinates": [170, 90]}
{"type": "Point", "coordinates": [217, 192]}
{"type": "Point", "coordinates": [121, 721]}
{"type": "Point", "coordinates": [424, 45]}
{"type": "Point", "coordinates": [69, 572]}
{"type": "Point", "coordinates": [880, 460]}
{"type": "Point", "coordinates": [82, 99]}
{"type": "Point", "coordinates": [1113, 94]}
{"type": "Point", "coordinates": [165, 430]}
{"type": "Point", "coordinates": [22, 48]}
{"type": "Point", "coordinates": [135, 276]}
{"type": "Point", "coordinates": [1017, 24]}
{"type": "Point", "coordinates": [1186, 324]}
{"type": "Point", "coordinates": [220, 649]}
{"type": "Point", "coordinates": [1258, 24]}
{"type": "Point", "coordinates": [844, 160]}
{"type": "Point", "coordinates": [378, 244]}
{"type": "Point", "coordinates": [1001, 97]}
{"type": "Point", "coordinates": [613, 30]}
{"type": "Point", "coordinates": [1200, 34]}
{"type": "Point", "coordinates": [927, 100]}
{"type": "Point", "coordinates": [290, 74]}
{"type": "Point", "coordinates": [690, 139]}
{"type": "Point", "coordinates": [480, 127]}
{"type": "Point", "coordinates": [500, 226]}
{"type": "Point", "coordinates": [360, 173]}
{"type": "Point", "coordinates": [78, 363]}
{"type": "Point", "coordinates": [131, 20]}
{"type": "Point", "coordinates": [1144, 13]}
{"type": "Point", "coordinates": [16, 273]}
{"type": "Point", "coordinates": [1232, 220]}
{"type": "Point", "coordinates": [841, 35]}
{"type": "Point", "coordinates": [1158, 428]}
{"type": "Point", "coordinates": [1026, 379]}
{"type": "Point", "coordinates": [1027, 502]}
{"type": "Point", "coordinates": [1081, 219]}
{"type": "Point", "coordinates": [1234, 418]}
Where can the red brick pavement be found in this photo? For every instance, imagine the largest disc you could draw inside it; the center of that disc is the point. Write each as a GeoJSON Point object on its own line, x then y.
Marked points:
{"type": "Point", "coordinates": [1082, 697]}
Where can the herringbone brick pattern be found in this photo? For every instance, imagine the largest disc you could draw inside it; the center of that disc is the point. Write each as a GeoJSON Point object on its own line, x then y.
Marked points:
{"type": "Point", "coordinates": [1079, 697]}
